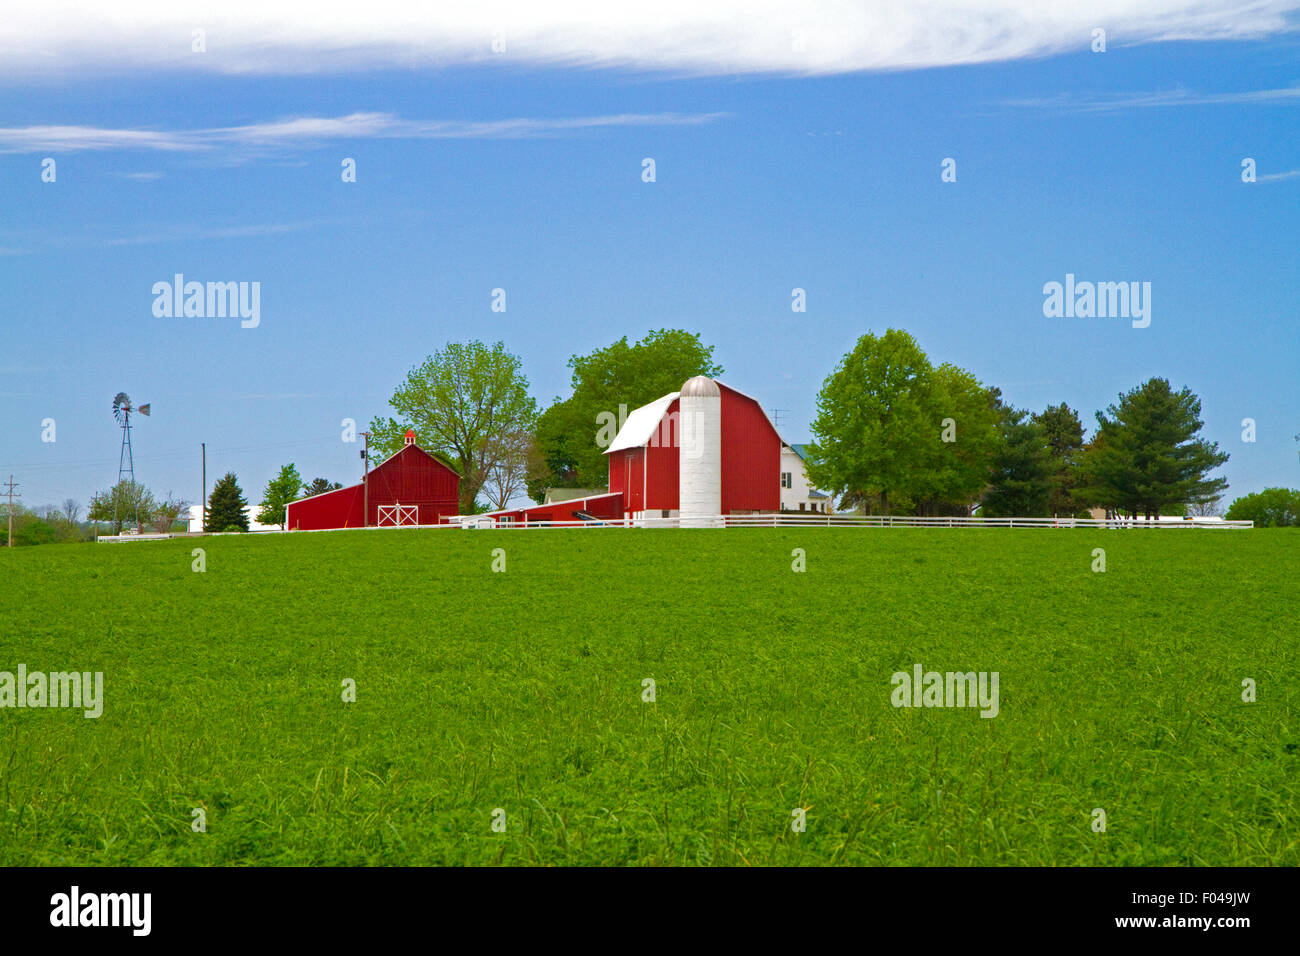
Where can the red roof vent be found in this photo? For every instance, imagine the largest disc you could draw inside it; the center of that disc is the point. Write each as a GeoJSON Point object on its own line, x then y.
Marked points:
{"type": "Point", "coordinates": [410, 436]}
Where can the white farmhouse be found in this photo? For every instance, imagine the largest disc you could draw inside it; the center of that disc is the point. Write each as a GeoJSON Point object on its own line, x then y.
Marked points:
{"type": "Point", "coordinates": [797, 494]}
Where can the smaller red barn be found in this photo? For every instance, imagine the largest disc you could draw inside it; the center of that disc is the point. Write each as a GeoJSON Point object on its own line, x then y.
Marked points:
{"type": "Point", "coordinates": [411, 487]}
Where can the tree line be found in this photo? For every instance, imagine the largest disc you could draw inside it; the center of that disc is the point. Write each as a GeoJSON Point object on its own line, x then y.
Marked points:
{"type": "Point", "coordinates": [894, 433]}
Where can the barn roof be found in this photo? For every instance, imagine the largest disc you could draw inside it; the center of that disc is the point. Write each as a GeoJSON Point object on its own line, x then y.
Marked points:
{"type": "Point", "coordinates": [373, 471]}
{"type": "Point", "coordinates": [642, 423]}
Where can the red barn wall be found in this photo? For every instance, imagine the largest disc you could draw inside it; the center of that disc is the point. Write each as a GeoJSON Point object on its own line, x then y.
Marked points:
{"type": "Point", "coordinates": [334, 509]}
{"type": "Point", "coordinates": [411, 477]}
{"type": "Point", "coordinates": [601, 506]}
{"type": "Point", "coordinates": [663, 459]}
{"type": "Point", "coordinates": [627, 475]}
{"type": "Point", "coordinates": [751, 456]}
{"type": "Point", "coordinates": [414, 477]}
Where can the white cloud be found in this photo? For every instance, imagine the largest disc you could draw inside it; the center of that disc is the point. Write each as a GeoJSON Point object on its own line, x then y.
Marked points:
{"type": "Point", "coordinates": [688, 36]}
{"type": "Point", "coordinates": [307, 131]}
{"type": "Point", "coordinates": [1116, 102]}
{"type": "Point", "coordinates": [1278, 177]}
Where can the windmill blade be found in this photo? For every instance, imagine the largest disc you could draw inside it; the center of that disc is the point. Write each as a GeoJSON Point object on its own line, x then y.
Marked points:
{"type": "Point", "coordinates": [121, 403]}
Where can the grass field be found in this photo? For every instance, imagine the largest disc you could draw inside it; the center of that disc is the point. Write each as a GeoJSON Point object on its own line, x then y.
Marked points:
{"type": "Point", "coordinates": [522, 690]}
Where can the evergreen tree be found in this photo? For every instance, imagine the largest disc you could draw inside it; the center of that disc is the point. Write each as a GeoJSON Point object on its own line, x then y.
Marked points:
{"type": "Point", "coordinates": [1147, 454]}
{"type": "Point", "coordinates": [1021, 483]}
{"type": "Point", "coordinates": [319, 486]}
{"type": "Point", "coordinates": [226, 506]}
{"type": "Point", "coordinates": [280, 490]}
{"type": "Point", "coordinates": [1064, 434]}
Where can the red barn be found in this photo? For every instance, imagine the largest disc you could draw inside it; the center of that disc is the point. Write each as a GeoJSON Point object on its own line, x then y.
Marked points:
{"type": "Point", "coordinates": [718, 456]}
{"type": "Point", "coordinates": [410, 488]}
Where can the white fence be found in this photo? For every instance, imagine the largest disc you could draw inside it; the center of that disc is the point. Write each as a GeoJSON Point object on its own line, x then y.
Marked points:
{"type": "Point", "coordinates": [786, 520]}
{"type": "Point", "coordinates": [796, 520]}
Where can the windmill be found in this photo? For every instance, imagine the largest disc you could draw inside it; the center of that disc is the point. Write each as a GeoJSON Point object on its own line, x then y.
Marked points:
{"type": "Point", "coordinates": [122, 410]}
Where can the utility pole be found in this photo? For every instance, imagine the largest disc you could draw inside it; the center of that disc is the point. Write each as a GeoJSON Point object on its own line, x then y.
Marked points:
{"type": "Point", "coordinates": [204, 501]}
{"type": "Point", "coordinates": [365, 482]}
{"type": "Point", "coordinates": [12, 486]}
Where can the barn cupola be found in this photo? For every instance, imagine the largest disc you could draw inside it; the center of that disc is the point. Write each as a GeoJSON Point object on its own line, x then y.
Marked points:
{"type": "Point", "coordinates": [410, 436]}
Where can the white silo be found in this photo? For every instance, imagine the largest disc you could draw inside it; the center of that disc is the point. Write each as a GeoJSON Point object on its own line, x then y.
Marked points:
{"type": "Point", "coordinates": [700, 454]}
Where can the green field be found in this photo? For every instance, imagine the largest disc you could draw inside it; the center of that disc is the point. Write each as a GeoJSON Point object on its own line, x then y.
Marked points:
{"type": "Point", "coordinates": [522, 691]}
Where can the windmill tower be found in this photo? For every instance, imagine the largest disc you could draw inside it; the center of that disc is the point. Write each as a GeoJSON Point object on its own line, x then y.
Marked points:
{"type": "Point", "coordinates": [122, 409]}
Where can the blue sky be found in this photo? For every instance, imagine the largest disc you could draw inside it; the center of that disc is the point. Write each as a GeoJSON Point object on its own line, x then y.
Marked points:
{"type": "Point", "coordinates": [1115, 166]}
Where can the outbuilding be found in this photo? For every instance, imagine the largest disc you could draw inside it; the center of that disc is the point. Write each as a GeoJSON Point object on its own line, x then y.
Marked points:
{"type": "Point", "coordinates": [411, 487]}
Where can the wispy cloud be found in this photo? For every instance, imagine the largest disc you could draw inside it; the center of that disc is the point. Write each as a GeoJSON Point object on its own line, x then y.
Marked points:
{"type": "Point", "coordinates": [309, 131]}
{"type": "Point", "coordinates": [686, 36]}
{"type": "Point", "coordinates": [1278, 177]}
{"type": "Point", "coordinates": [196, 232]}
{"type": "Point", "coordinates": [1119, 102]}
{"type": "Point", "coordinates": [151, 234]}
{"type": "Point", "coordinates": [140, 177]}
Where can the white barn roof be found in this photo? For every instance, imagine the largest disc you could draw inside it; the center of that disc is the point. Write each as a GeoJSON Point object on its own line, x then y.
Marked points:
{"type": "Point", "coordinates": [641, 424]}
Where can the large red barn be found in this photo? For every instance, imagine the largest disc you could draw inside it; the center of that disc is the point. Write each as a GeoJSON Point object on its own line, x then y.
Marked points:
{"type": "Point", "coordinates": [411, 487]}
{"type": "Point", "coordinates": [721, 456]}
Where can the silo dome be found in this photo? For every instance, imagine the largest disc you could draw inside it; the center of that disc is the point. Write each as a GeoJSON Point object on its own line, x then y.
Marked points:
{"type": "Point", "coordinates": [701, 386]}
{"type": "Point", "coordinates": [700, 453]}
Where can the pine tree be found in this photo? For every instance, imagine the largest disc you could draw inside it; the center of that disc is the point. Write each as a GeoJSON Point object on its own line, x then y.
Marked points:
{"type": "Point", "coordinates": [319, 486]}
{"type": "Point", "coordinates": [1021, 483]}
{"type": "Point", "coordinates": [226, 506]}
{"type": "Point", "coordinates": [1064, 434]}
{"type": "Point", "coordinates": [1147, 453]}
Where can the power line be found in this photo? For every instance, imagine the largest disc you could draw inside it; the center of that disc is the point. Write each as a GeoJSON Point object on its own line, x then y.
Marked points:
{"type": "Point", "coordinates": [12, 486]}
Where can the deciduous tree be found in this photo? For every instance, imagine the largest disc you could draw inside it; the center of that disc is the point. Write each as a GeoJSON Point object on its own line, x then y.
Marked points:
{"type": "Point", "coordinates": [280, 490]}
{"type": "Point", "coordinates": [458, 399]}
{"type": "Point", "coordinates": [876, 425]}
{"type": "Point", "coordinates": [120, 504]}
{"type": "Point", "coordinates": [1270, 508]}
{"type": "Point", "coordinates": [573, 433]}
